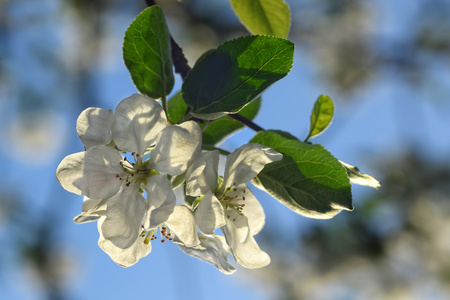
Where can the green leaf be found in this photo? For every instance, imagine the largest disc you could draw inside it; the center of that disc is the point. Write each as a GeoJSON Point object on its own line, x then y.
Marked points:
{"type": "Point", "coordinates": [147, 53]}
{"type": "Point", "coordinates": [271, 17]}
{"type": "Point", "coordinates": [357, 177]}
{"type": "Point", "coordinates": [220, 129]}
{"type": "Point", "coordinates": [308, 180]}
{"type": "Point", "coordinates": [176, 108]}
{"type": "Point", "coordinates": [231, 76]}
{"type": "Point", "coordinates": [321, 116]}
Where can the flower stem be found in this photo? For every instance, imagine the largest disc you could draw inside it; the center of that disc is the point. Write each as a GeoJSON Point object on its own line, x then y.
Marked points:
{"type": "Point", "coordinates": [164, 106]}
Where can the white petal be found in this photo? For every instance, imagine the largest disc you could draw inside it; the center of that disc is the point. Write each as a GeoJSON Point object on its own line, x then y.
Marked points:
{"type": "Point", "coordinates": [100, 168]}
{"type": "Point", "coordinates": [252, 209]}
{"type": "Point", "coordinates": [94, 126]}
{"type": "Point", "coordinates": [70, 170]}
{"type": "Point", "coordinates": [92, 210]}
{"type": "Point", "coordinates": [124, 215]}
{"type": "Point", "coordinates": [176, 148]}
{"type": "Point", "coordinates": [137, 121]}
{"type": "Point", "coordinates": [244, 163]}
{"type": "Point", "coordinates": [161, 201]}
{"type": "Point", "coordinates": [209, 214]}
{"type": "Point", "coordinates": [201, 175]}
{"type": "Point", "coordinates": [213, 250]}
{"type": "Point", "coordinates": [91, 204]}
{"type": "Point", "coordinates": [182, 224]}
{"type": "Point", "coordinates": [243, 246]}
{"type": "Point", "coordinates": [123, 257]}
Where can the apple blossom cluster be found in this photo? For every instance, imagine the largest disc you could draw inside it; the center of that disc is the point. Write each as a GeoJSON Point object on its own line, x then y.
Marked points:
{"type": "Point", "coordinates": [133, 160]}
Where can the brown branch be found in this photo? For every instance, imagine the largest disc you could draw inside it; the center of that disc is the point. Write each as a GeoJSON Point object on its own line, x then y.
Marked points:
{"type": "Point", "coordinates": [243, 120]}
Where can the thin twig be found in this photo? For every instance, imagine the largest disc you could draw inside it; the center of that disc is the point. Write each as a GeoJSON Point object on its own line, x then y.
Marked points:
{"type": "Point", "coordinates": [246, 122]}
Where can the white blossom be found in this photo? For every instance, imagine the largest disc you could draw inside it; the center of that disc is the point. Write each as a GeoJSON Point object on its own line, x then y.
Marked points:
{"type": "Point", "coordinates": [230, 205]}
{"type": "Point", "coordinates": [105, 176]}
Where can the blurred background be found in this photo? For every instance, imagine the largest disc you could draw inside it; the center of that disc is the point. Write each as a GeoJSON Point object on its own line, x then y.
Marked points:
{"type": "Point", "coordinates": [386, 64]}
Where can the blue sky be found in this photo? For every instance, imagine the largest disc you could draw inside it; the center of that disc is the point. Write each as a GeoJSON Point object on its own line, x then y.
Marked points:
{"type": "Point", "coordinates": [385, 116]}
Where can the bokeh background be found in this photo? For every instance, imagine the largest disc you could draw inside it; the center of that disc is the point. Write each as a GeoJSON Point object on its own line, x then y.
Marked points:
{"type": "Point", "coordinates": [386, 64]}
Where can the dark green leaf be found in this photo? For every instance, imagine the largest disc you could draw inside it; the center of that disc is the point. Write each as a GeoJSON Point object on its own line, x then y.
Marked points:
{"type": "Point", "coordinates": [237, 72]}
{"type": "Point", "coordinates": [146, 52]}
{"type": "Point", "coordinates": [321, 116]}
{"type": "Point", "coordinates": [308, 180]}
{"type": "Point", "coordinates": [357, 177]}
{"type": "Point", "coordinates": [220, 129]}
{"type": "Point", "coordinates": [176, 108]}
{"type": "Point", "coordinates": [270, 17]}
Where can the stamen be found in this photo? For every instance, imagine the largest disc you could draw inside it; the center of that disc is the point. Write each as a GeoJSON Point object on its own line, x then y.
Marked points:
{"type": "Point", "coordinates": [149, 236]}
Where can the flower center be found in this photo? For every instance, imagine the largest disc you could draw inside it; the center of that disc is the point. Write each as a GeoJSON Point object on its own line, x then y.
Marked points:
{"type": "Point", "coordinates": [233, 198]}
{"type": "Point", "coordinates": [137, 171]}
{"type": "Point", "coordinates": [152, 234]}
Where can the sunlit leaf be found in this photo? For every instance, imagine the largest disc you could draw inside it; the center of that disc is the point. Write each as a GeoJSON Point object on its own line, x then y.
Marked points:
{"type": "Point", "coordinates": [308, 180]}
{"type": "Point", "coordinates": [228, 78]}
{"type": "Point", "coordinates": [357, 177]}
{"type": "Point", "coordinates": [321, 116]}
{"type": "Point", "coordinates": [271, 17]}
{"type": "Point", "coordinates": [176, 108]}
{"type": "Point", "coordinates": [146, 52]}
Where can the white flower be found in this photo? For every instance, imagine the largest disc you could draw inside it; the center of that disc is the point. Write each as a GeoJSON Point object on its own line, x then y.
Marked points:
{"type": "Point", "coordinates": [231, 205]}
{"type": "Point", "coordinates": [94, 126]}
{"type": "Point", "coordinates": [101, 172]}
{"type": "Point", "coordinates": [179, 227]}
